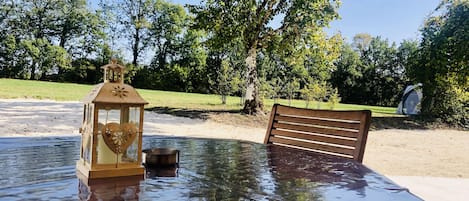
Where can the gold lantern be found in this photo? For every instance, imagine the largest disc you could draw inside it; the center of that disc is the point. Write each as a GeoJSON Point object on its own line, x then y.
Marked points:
{"type": "Point", "coordinates": [111, 135]}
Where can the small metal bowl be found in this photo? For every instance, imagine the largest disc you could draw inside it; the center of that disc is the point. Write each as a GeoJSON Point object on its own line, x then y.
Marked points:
{"type": "Point", "coordinates": [151, 172]}
{"type": "Point", "coordinates": [161, 157]}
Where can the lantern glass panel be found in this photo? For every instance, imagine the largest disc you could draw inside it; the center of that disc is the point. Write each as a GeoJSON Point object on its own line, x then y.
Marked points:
{"type": "Point", "coordinates": [134, 116]}
{"type": "Point", "coordinates": [131, 153]}
{"type": "Point", "coordinates": [85, 109]}
{"type": "Point", "coordinates": [133, 122]}
{"type": "Point", "coordinates": [87, 132]}
{"type": "Point", "coordinates": [87, 147]}
{"type": "Point", "coordinates": [107, 117]}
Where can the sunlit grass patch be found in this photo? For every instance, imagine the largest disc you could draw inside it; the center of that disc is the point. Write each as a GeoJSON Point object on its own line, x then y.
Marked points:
{"type": "Point", "coordinates": [11, 88]}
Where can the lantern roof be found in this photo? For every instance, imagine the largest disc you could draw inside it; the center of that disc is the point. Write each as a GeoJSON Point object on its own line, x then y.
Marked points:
{"type": "Point", "coordinates": [113, 90]}
{"type": "Point", "coordinates": [114, 93]}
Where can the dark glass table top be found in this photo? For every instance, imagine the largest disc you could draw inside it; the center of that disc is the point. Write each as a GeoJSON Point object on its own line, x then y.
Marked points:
{"type": "Point", "coordinates": [43, 168]}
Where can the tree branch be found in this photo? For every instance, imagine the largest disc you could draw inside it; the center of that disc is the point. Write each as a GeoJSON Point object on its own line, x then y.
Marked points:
{"type": "Point", "coordinates": [263, 20]}
{"type": "Point", "coordinates": [259, 9]}
{"type": "Point", "coordinates": [284, 25]}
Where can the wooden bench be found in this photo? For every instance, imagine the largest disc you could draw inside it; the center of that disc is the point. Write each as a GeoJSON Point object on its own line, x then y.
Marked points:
{"type": "Point", "coordinates": [340, 133]}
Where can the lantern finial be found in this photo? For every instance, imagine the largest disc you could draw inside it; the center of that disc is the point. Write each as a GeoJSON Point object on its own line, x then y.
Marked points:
{"type": "Point", "coordinates": [113, 72]}
{"type": "Point", "coordinates": [113, 61]}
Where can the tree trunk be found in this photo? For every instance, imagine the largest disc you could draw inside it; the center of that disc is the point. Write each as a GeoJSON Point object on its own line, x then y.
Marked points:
{"type": "Point", "coordinates": [135, 47]}
{"type": "Point", "coordinates": [223, 99]}
{"type": "Point", "coordinates": [252, 104]}
{"type": "Point", "coordinates": [427, 105]}
{"type": "Point", "coordinates": [63, 40]}
{"type": "Point", "coordinates": [33, 71]}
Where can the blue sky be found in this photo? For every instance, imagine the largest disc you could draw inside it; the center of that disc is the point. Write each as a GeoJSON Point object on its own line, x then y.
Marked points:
{"type": "Point", "coordinates": [394, 20]}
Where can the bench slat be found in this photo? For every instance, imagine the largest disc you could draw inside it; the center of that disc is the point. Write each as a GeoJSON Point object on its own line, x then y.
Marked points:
{"type": "Point", "coordinates": [314, 146]}
{"type": "Point", "coordinates": [330, 140]}
{"type": "Point", "coordinates": [312, 129]}
{"type": "Point", "coordinates": [322, 122]}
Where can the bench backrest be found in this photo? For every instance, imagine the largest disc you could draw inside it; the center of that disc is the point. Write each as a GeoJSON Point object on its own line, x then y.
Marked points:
{"type": "Point", "coordinates": [341, 133]}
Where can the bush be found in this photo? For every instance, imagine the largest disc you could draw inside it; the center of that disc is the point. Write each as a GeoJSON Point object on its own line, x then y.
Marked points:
{"type": "Point", "coordinates": [449, 103]}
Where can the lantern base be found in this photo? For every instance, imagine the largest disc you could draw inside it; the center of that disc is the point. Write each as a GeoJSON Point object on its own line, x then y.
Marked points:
{"type": "Point", "coordinates": [116, 188]}
{"type": "Point", "coordinates": [108, 173]}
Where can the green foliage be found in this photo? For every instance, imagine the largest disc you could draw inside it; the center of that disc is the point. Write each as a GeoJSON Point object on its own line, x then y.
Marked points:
{"type": "Point", "coordinates": [372, 73]}
{"type": "Point", "coordinates": [286, 69]}
{"type": "Point", "coordinates": [314, 91]}
{"type": "Point", "coordinates": [79, 30]}
{"type": "Point", "coordinates": [82, 71]}
{"type": "Point", "coordinates": [224, 80]}
{"type": "Point", "coordinates": [348, 73]}
{"type": "Point", "coordinates": [179, 57]}
{"type": "Point", "coordinates": [442, 65]}
{"type": "Point", "coordinates": [193, 56]}
{"type": "Point", "coordinates": [383, 79]}
{"type": "Point", "coordinates": [179, 61]}
{"type": "Point", "coordinates": [132, 18]}
{"type": "Point", "coordinates": [225, 71]}
{"type": "Point", "coordinates": [319, 91]}
{"type": "Point", "coordinates": [8, 51]}
{"type": "Point", "coordinates": [452, 102]}
{"type": "Point", "coordinates": [406, 56]}
{"type": "Point", "coordinates": [32, 30]}
{"type": "Point", "coordinates": [248, 22]}
{"type": "Point", "coordinates": [361, 41]}
{"type": "Point", "coordinates": [276, 85]}
{"type": "Point", "coordinates": [334, 99]}
{"type": "Point", "coordinates": [166, 24]}
{"type": "Point", "coordinates": [321, 52]}
{"type": "Point", "coordinates": [41, 58]}
{"type": "Point", "coordinates": [291, 88]}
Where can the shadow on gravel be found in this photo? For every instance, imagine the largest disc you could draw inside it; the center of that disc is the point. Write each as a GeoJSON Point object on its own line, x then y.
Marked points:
{"type": "Point", "coordinates": [379, 123]}
{"type": "Point", "coordinates": [190, 113]}
{"type": "Point", "coordinates": [236, 117]}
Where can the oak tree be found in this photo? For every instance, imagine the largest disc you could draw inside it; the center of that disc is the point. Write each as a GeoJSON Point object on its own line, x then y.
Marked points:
{"type": "Point", "coordinates": [252, 21]}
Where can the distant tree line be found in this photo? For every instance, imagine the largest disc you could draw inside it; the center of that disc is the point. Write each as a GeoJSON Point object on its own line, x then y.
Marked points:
{"type": "Point", "coordinates": [232, 48]}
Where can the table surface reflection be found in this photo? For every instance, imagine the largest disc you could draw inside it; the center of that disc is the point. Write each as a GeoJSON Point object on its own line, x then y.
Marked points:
{"type": "Point", "coordinates": [210, 169]}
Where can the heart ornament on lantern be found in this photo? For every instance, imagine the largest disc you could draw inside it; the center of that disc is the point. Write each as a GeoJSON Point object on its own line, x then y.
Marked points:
{"type": "Point", "coordinates": [119, 137]}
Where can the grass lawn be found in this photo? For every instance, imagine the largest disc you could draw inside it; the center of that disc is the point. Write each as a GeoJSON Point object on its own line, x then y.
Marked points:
{"type": "Point", "coordinates": [196, 105]}
{"type": "Point", "coordinates": [12, 88]}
